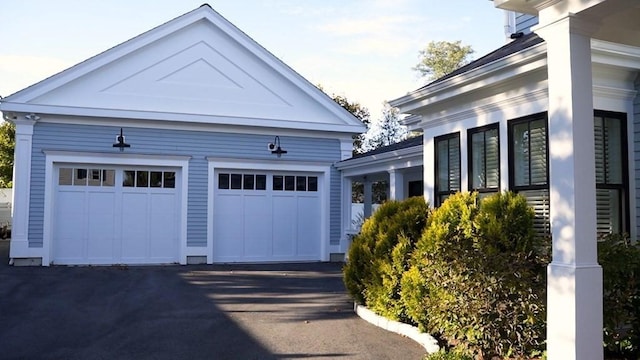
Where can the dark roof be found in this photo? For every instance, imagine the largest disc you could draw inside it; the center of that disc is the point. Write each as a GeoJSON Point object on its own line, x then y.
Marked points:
{"type": "Point", "coordinates": [524, 42]}
{"type": "Point", "coordinates": [404, 144]}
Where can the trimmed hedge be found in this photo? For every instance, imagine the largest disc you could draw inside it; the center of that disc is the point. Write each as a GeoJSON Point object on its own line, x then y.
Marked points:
{"type": "Point", "coordinates": [620, 261]}
{"type": "Point", "coordinates": [379, 255]}
{"type": "Point", "coordinates": [478, 277]}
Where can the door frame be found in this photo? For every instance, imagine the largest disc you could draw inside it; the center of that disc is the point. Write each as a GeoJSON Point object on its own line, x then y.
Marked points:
{"type": "Point", "coordinates": [54, 157]}
{"type": "Point", "coordinates": [324, 178]}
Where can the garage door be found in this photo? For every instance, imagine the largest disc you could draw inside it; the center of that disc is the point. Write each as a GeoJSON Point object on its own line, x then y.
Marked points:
{"type": "Point", "coordinates": [115, 215]}
{"type": "Point", "coordinates": [266, 216]}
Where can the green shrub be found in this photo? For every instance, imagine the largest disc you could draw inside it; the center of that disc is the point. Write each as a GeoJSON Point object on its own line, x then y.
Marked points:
{"type": "Point", "coordinates": [380, 253]}
{"type": "Point", "coordinates": [445, 355]}
{"type": "Point", "coordinates": [482, 270]}
{"type": "Point", "coordinates": [620, 261]}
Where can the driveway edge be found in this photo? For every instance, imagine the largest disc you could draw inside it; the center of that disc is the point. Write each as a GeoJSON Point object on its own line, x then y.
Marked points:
{"type": "Point", "coordinates": [425, 340]}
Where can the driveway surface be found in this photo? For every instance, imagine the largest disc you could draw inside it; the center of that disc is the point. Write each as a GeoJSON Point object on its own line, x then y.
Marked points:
{"type": "Point", "coordinates": [291, 311]}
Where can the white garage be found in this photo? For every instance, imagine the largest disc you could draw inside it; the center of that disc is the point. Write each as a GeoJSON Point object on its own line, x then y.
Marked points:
{"type": "Point", "coordinates": [266, 216]}
{"type": "Point", "coordinates": [105, 214]}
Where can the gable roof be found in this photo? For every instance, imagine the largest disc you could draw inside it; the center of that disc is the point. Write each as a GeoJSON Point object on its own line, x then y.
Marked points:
{"type": "Point", "coordinates": [197, 67]}
{"type": "Point", "coordinates": [518, 44]}
{"type": "Point", "coordinates": [404, 144]}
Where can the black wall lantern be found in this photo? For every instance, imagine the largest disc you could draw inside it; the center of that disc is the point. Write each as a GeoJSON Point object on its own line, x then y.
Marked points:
{"type": "Point", "coordinates": [120, 142]}
{"type": "Point", "coordinates": [275, 148]}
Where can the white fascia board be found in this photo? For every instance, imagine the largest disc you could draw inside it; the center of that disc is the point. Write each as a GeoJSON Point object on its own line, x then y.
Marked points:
{"type": "Point", "coordinates": [9, 108]}
{"type": "Point", "coordinates": [399, 159]}
{"type": "Point", "coordinates": [619, 55]}
{"type": "Point", "coordinates": [481, 77]}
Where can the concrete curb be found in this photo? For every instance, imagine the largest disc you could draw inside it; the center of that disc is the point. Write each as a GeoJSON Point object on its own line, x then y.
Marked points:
{"type": "Point", "coordinates": [427, 341]}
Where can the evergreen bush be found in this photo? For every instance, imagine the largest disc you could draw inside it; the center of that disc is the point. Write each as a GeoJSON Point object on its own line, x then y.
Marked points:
{"type": "Point", "coordinates": [380, 253]}
{"type": "Point", "coordinates": [620, 261]}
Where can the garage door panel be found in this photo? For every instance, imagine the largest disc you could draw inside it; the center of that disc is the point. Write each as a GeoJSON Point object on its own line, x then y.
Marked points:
{"type": "Point", "coordinates": [101, 220]}
{"type": "Point", "coordinates": [134, 226]}
{"type": "Point", "coordinates": [257, 226]}
{"type": "Point", "coordinates": [163, 232]}
{"type": "Point", "coordinates": [284, 225]}
{"type": "Point", "coordinates": [228, 226]}
{"type": "Point", "coordinates": [308, 232]}
{"type": "Point", "coordinates": [68, 244]}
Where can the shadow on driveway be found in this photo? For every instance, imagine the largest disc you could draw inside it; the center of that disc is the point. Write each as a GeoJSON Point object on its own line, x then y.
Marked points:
{"type": "Point", "coordinates": [289, 311]}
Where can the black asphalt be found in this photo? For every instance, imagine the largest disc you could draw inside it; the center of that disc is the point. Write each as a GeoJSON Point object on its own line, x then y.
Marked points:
{"type": "Point", "coordinates": [291, 311]}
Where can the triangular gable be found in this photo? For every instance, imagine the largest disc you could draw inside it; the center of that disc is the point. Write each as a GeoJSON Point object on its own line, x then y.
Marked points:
{"type": "Point", "coordinates": [197, 67]}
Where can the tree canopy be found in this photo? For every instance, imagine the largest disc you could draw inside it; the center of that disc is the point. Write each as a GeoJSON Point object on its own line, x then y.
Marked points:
{"type": "Point", "coordinates": [440, 58]}
{"type": "Point", "coordinates": [387, 130]}
{"type": "Point", "coordinates": [7, 146]}
{"type": "Point", "coordinates": [360, 112]}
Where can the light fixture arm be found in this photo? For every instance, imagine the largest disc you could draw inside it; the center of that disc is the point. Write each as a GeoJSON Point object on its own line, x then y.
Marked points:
{"type": "Point", "coordinates": [120, 141]}
{"type": "Point", "coordinates": [276, 148]}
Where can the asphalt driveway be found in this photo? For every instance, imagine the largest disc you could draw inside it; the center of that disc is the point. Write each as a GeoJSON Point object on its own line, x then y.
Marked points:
{"type": "Point", "coordinates": [292, 311]}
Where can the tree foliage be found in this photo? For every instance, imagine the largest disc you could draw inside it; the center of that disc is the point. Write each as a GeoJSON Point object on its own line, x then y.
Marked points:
{"type": "Point", "coordinates": [7, 146]}
{"type": "Point", "coordinates": [388, 130]}
{"type": "Point", "coordinates": [360, 112]}
{"type": "Point", "coordinates": [440, 58]}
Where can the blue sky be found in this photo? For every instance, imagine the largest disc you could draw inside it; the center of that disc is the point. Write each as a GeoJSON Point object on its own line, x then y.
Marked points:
{"type": "Point", "coordinates": [362, 49]}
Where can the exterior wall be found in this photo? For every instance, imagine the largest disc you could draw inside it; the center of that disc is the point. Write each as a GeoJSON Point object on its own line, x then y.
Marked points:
{"type": "Point", "coordinates": [524, 22]}
{"type": "Point", "coordinates": [636, 152]}
{"type": "Point", "coordinates": [197, 144]}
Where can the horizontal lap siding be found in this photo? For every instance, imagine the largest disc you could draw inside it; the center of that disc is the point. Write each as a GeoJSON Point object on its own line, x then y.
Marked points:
{"type": "Point", "coordinates": [197, 144]}
{"type": "Point", "coordinates": [524, 22]}
{"type": "Point", "coordinates": [636, 148]}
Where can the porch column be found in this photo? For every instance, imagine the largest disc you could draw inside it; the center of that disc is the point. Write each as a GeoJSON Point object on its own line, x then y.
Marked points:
{"type": "Point", "coordinates": [574, 278]}
{"type": "Point", "coordinates": [347, 224]}
{"type": "Point", "coordinates": [367, 197]}
{"type": "Point", "coordinates": [19, 246]}
{"type": "Point", "coordinates": [396, 185]}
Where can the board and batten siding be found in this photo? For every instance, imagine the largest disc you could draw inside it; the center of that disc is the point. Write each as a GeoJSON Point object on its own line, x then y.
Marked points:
{"type": "Point", "coordinates": [524, 22]}
{"type": "Point", "coordinates": [197, 144]}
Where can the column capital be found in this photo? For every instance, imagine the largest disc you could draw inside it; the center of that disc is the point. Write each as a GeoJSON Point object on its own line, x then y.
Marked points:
{"type": "Point", "coordinates": [568, 24]}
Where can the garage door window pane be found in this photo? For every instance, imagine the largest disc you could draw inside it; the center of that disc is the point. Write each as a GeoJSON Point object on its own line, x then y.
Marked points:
{"type": "Point", "coordinates": [128, 179]}
{"type": "Point", "coordinates": [313, 183]}
{"type": "Point", "coordinates": [289, 183]}
{"type": "Point", "coordinates": [142, 179]}
{"type": "Point", "coordinates": [155, 179]}
{"type": "Point", "coordinates": [94, 177]}
{"type": "Point", "coordinates": [248, 182]}
{"type": "Point", "coordinates": [261, 182]}
{"type": "Point", "coordinates": [108, 177]}
{"type": "Point", "coordinates": [236, 181]}
{"type": "Point", "coordinates": [223, 181]}
{"type": "Point", "coordinates": [80, 177]}
{"type": "Point", "coordinates": [301, 183]}
{"type": "Point", "coordinates": [278, 182]}
{"type": "Point", "coordinates": [64, 178]}
{"type": "Point", "coordinates": [169, 179]}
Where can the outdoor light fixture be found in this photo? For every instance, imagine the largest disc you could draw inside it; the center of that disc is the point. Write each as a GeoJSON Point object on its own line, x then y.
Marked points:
{"type": "Point", "coordinates": [275, 148]}
{"type": "Point", "coordinates": [120, 142]}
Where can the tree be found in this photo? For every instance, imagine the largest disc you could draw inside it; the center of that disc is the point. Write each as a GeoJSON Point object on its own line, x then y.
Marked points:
{"type": "Point", "coordinates": [440, 58]}
{"type": "Point", "coordinates": [387, 130]}
{"type": "Point", "coordinates": [360, 112]}
{"type": "Point", "coordinates": [7, 146]}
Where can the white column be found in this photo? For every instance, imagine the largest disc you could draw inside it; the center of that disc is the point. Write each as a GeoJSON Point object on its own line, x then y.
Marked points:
{"type": "Point", "coordinates": [574, 278]}
{"type": "Point", "coordinates": [21, 187]}
{"type": "Point", "coordinates": [429, 175]}
{"type": "Point", "coordinates": [367, 184]}
{"type": "Point", "coordinates": [347, 226]}
{"type": "Point", "coordinates": [396, 185]}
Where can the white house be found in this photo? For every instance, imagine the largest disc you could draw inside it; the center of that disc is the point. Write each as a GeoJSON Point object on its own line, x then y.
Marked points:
{"type": "Point", "coordinates": [189, 143]}
{"type": "Point", "coordinates": [534, 117]}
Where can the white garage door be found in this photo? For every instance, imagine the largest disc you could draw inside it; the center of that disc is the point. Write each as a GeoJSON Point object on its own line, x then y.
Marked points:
{"type": "Point", "coordinates": [115, 215]}
{"type": "Point", "coordinates": [266, 216]}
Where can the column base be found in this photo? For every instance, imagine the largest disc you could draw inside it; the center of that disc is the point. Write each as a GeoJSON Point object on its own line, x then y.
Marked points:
{"type": "Point", "coordinates": [574, 312]}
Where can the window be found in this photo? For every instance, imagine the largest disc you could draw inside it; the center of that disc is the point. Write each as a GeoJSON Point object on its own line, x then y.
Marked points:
{"type": "Point", "coordinates": [611, 172]}
{"type": "Point", "coordinates": [484, 159]}
{"type": "Point", "coordinates": [146, 179]}
{"type": "Point", "coordinates": [447, 164]}
{"type": "Point", "coordinates": [295, 183]}
{"type": "Point", "coordinates": [528, 165]}
{"type": "Point", "coordinates": [84, 177]}
{"type": "Point", "coordinates": [228, 181]}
